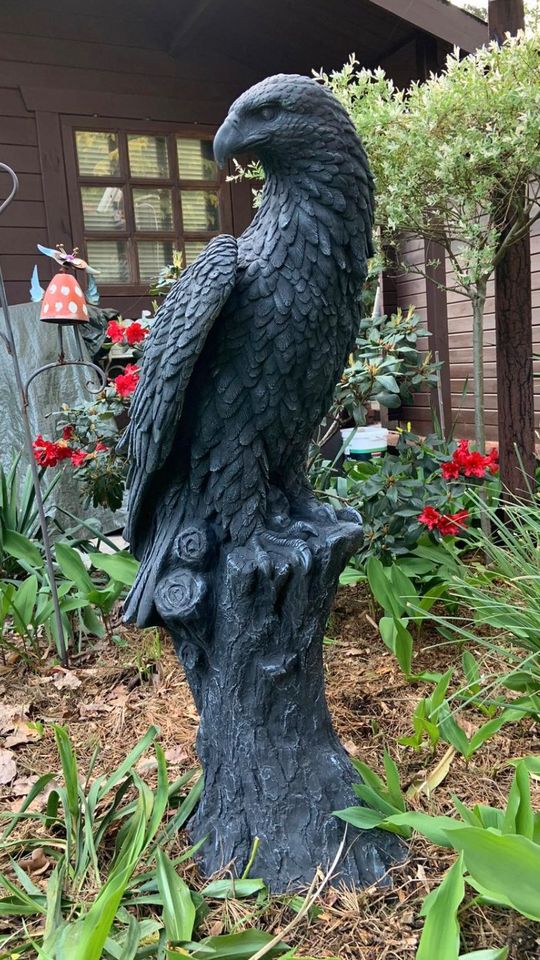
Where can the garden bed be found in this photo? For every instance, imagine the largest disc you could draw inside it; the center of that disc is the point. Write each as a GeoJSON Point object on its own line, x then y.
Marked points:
{"type": "Point", "coordinates": [113, 694]}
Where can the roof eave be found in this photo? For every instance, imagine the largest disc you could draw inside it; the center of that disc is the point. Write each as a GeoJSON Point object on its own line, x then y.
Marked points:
{"type": "Point", "coordinates": [442, 20]}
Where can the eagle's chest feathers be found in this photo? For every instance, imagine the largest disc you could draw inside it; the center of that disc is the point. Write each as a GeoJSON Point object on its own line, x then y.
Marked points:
{"type": "Point", "coordinates": [300, 285]}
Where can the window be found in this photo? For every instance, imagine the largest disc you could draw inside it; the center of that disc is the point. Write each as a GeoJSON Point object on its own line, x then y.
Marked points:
{"type": "Point", "coordinates": [141, 196]}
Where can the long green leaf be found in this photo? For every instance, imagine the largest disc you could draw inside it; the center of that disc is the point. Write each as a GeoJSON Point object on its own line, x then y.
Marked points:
{"type": "Point", "coordinates": [72, 567]}
{"type": "Point", "coordinates": [506, 865]}
{"type": "Point", "coordinates": [440, 936]}
{"type": "Point", "coordinates": [178, 907]}
{"type": "Point", "coordinates": [382, 589]}
{"type": "Point", "coordinates": [123, 768]}
{"type": "Point", "coordinates": [519, 815]}
{"type": "Point", "coordinates": [222, 889]}
{"type": "Point", "coordinates": [120, 566]}
{"type": "Point", "coordinates": [21, 548]}
{"type": "Point", "coordinates": [69, 769]}
{"type": "Point", "coordinates": [233, 946]}
{"type": "Point", "coordinates": [496, 954]}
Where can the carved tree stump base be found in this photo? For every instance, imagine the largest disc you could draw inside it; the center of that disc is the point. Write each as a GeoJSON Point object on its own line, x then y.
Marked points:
{"type": "Point", "coordinates": [274, 767]}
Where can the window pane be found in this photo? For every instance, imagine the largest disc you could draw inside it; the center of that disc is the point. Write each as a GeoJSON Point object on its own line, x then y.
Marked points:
{"type": "Point", "coordinates": [148, 156]}
{"type": "Point", "coordinates": [193, 248]}
{"type": "Point", "coordinates": [196, 160]}
{"type": "Point", "coordinates": [200, 210]}
{"type": "Point", "coordinates": [153, 209]}
{"type": "Point", "coordinates": [153, 256]}
{"type": "Point", "coordinates": [103, 208]}
{"type": "Point", "coordinates": [97, 153]}
{"type": "Point", "coordinates": [110, 257]}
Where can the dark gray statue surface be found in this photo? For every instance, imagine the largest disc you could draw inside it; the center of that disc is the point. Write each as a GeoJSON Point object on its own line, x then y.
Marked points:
{"type": "Point", "coordinates": [239, 560]}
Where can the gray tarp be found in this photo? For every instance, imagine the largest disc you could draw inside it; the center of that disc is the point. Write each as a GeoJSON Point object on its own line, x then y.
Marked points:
{"type": "Point", "coordinates": [36, 345]}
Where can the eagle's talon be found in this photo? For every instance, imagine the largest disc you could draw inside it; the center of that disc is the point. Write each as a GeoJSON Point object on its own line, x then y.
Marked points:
{"type": "Point", "coordinates": [303, 529]}
{"type": "Point", "coordinates": [293, 551]}
{"type": "Point", "coordinates": [350, 515]}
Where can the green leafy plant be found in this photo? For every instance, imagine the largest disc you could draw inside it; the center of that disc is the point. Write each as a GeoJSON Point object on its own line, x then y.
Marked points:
{"type": "Point", "coordinates": [441, 932]}
{"type": "Point", "coordinates": [114, 893]}
{"type": "Point", "coordinates": [500, 847]}
{"type": "Point", "coordinates": [396, 594]}
{"type": "Point", "coordinates": [393, 493]}
{"type": "Point", "coordinates": [19, 521]}
{"type": "Point", "coordinates": [386, 366]}
{"type": "Point", "coordinates": [85, 823]}
{"type": "Point", "coordinates": [86, 598]}
{"type": "Point", "coordinates": [501, 597]}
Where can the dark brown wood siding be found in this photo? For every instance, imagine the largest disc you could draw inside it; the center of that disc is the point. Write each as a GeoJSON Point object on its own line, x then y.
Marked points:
{"type": "Point", "coordinates": [411, 289]}
{"type": "Point", "coordinates": [107, 68]}
{"type": "Point", "coordinates": [23, 224]}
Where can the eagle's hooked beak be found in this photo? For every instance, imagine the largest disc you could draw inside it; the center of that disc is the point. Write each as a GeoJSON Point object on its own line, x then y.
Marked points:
{"type": "Point", "coordinates": [228, 140]}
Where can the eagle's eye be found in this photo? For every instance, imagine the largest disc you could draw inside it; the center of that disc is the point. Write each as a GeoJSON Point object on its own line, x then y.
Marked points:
{"type": "Point", "coordinates": [268, 111]}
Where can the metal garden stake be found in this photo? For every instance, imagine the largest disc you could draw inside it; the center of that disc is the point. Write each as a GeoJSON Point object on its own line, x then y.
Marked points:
{"type": "Point", "coordinates": [75, 313]}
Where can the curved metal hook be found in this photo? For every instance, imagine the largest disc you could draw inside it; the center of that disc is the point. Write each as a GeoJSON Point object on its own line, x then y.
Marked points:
{"type": "Point", "coordinates": [14, 186]}
{"type": "Point", "coordinates": [70, 363]}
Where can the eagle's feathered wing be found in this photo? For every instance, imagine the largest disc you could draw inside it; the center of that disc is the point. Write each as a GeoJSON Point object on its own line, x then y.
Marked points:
{"type": "Point", "coordinates": [177, 339]}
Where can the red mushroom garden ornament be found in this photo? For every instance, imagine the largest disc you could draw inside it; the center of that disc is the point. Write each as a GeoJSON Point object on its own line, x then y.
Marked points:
{"type": "Point", "coordinates": [64, 301]}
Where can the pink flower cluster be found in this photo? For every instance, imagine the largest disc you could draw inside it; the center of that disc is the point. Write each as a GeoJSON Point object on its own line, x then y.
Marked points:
{"type": "Point", "coordinates": [469, 463]}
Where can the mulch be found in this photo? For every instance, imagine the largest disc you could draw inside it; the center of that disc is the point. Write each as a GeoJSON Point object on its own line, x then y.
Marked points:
{"type": "Point", "coordinates": [117, 689]}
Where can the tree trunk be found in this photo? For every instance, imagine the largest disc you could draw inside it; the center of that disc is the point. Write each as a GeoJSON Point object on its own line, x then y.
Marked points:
{"type": "Point", "coordinates": [513, 320]}
{"type": "Point", "coordinates": [251, 647]}
{"type": "Point", "coordinates": [478, 304]}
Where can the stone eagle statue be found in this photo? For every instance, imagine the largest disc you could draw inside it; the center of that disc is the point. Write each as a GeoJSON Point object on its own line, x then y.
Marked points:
{"type": "Point", "coordinates": [239, 560]}
{"type": "Point", "coordinates": [245, 352]}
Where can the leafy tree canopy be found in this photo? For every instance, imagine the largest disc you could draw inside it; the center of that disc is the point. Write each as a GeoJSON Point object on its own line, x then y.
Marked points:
{"type": "Point", "coordinates": [453, 156]}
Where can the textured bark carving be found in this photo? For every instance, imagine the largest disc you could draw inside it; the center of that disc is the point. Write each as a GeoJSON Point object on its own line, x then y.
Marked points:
{"type": "Point", "coordinates": [274, 767]}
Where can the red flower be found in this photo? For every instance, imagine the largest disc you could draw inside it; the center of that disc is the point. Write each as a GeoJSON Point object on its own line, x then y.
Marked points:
{"type": "Point", "coordinates": [115, 331]}
{"type": "Point", "coordinates": [47, 453]}
{"type": "Point", "coordinates": [475, 465]}
{"type": "Point", "coordinates": [469, 463]}
{"type": "Point", "coordinates": [450, 470]}
{"type": "Point", "coordinates": [44, 452]}
{"type": "Point", "coordinates": [100, 447]}
{"type": "Point", "coordinates": [126, 382]}
{"type": "Point", "coordinates": [492, 460]}
{"type": "Point", "coordinates": [451, 524]}
{"type": "Point", "coordinates": [67, 433]}
{"type": "Point", "coordinates": [430, 517]}
{"type": "Point", "coordinates": [78, 457]}
{"type": "Point", "coordinates": [135, 333]}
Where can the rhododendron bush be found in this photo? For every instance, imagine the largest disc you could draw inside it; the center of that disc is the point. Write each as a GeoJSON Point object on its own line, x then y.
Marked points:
{"type": "Point", "coordinates": [91, 430]}
{"type": "Point", "coordinates": [423, 491]}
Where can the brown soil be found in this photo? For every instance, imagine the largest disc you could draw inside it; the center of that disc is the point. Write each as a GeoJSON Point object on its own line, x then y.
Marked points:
{"type": "Point", "coordinates": [125, 688]}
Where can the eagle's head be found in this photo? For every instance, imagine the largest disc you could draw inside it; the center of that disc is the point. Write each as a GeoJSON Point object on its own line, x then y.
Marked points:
{"type": "Point", "coordinates": [282, 118]}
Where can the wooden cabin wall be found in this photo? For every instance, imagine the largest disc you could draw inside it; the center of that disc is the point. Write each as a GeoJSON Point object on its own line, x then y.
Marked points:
{"type": "Point", "coordinates": [411, 289]}
{"type": "Point", "coordinates": [55, 66]}
{"type": "Point", "coordinates": [23, 224]}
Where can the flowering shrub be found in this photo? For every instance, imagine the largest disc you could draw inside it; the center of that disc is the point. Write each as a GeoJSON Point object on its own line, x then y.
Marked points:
{"type": "Point", "coordinates": [125, 383]}
{"type": "Point", "coordinates": [90, 429]}
{"type": "Point", "coordinates": [424, 488]}
{"type": "Point", "coordinates": [469, 463]}
{"type": "Point", "coordinates": [449, 525]}
{"type": "Point", "coordinates": [130, 334]}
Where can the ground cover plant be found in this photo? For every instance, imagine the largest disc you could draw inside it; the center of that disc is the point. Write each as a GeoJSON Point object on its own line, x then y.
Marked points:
{"type": "Point", "coordinates": [116, 691]}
